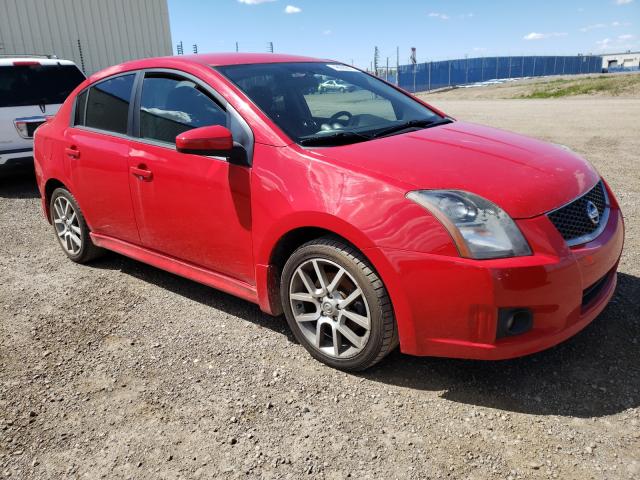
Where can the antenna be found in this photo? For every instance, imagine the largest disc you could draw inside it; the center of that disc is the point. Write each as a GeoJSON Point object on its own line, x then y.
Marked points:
{"type": "Point", "coordinates": [179, 48]}
{"type": "Point", "coordinates": [195, 48]}
{"type": "Point", "coordinates": [270, 47]}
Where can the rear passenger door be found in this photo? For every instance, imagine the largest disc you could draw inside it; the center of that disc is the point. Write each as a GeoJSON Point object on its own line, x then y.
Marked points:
{"type": "Point", "coordinates": [97, 152]}
{"type": "Point", "coordinates": [190, 207]}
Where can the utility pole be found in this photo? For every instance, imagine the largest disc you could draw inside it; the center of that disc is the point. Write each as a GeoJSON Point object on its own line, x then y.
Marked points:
{"type": "Point", "coordinates": [376, 60]}
{"type": "Point", "coordinates": [414, 60]}
{"type": "Point", "coordinates": [397, 66]}
{"type": "Point", "coordinates": [179, 48]}
{"type": "Point", "coordinates": [195, 48]}
{"type": "Point", "coordinates": [81, 55]}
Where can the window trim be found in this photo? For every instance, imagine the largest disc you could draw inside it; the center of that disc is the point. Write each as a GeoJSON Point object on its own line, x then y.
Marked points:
{"type": "Point", "coordinates": [87, 89]}
{"type": "Point", "coordinates": [247, 142]}
{"type": "Point", "coordinates": [75, 106]}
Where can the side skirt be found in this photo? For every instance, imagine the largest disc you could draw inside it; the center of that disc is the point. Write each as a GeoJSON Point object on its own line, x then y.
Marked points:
{"type": "Point", "coordinates": [178, 267]}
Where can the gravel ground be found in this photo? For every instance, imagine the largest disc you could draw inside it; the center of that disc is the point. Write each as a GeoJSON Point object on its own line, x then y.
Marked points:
{"type": "Point", "coordinates": [620, 85]}
{"type": "Point", "coordinates": [119, 370]}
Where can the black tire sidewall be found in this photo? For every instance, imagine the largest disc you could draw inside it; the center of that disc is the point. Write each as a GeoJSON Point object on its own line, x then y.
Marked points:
{"type": "Point", "coordinates": [376, 335]}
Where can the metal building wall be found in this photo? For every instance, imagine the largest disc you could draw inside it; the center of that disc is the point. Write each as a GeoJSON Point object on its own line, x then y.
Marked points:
{"type": "Point", "coordinates": [93, 33]}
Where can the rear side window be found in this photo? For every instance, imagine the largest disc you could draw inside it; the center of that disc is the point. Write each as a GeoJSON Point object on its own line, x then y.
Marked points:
{"type": "Point", "coordinates": [23, 85]}
{"type": "Point", "coordinates": [81, 105]}
{"type": "Point", "coordinates": [108, 104]}
{"type": "Point", "coordinates": [171, 105]}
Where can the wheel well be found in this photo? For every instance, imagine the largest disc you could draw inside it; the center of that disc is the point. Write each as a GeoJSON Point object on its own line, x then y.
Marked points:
{"type": "Point", "coordinates": [290, 242]}
{"type": "Point", "coordinates": [49, 188]}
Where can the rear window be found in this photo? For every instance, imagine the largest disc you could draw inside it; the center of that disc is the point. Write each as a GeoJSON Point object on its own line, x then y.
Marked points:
{"type": "Point", "coordinates": [108, 104]}
{"type": "Point", "coordinates": [24, 85]}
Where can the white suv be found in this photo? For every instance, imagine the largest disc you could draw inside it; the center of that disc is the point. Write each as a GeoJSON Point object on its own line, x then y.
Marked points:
{"type": "Point", "coordinates": [31, 89]}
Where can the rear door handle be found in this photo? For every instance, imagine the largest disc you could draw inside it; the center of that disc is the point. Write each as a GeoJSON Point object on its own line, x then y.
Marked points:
{"type": "Point", "coordinates": [141, 173]}
{"type": "Point", "coordinates": [72, 151]}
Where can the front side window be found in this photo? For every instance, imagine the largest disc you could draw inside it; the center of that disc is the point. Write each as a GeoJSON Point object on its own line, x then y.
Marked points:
{"type": "Point", "coordinates": [108, 104]}
{"type": "Point", "coordinates": [328, 104]}
{"type": "Point", "coordinates": [171, 105]}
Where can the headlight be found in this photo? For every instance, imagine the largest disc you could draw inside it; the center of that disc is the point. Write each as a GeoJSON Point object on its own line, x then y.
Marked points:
{"type": "Point", "coordinates": [479, 228]}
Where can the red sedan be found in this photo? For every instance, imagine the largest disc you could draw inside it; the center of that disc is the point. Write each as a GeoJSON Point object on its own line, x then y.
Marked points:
{"type": "Point", "coordinates": [367, 217]}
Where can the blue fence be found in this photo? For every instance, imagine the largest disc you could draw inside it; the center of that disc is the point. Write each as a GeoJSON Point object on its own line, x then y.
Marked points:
{"type": "Point", "coordinates": [446, 73]}
{"type": "Point", "coordinates": [621, 69]}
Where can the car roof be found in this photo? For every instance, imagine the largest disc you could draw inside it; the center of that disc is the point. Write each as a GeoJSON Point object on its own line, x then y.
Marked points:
{"type": "Point", "coordinates": [9, 61]}
{"type": "Point", "coordinates": [222, 59]}
{"type": "Point", "coordinates": [206, 59]}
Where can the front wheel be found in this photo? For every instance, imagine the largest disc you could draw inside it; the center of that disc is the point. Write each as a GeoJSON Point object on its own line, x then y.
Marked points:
{"type": "Point", "coordinates": [336, 305]}
{"type": "Point", "coordinates": [71, 228]}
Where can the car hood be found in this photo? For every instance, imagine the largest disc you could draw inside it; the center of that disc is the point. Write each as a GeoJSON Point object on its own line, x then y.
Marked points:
{"type": "Point", "coordinates": [523, 176]}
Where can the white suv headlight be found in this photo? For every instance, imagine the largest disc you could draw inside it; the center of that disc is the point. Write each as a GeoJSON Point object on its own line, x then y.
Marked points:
{"type": "Point", "coordinates": [479, 228]}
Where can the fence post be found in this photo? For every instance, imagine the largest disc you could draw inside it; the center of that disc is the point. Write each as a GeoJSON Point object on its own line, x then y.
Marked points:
{"type": "Point", "coordinates": [429, 76]}
{"type": "Point", "coordinates": [466, 70]}
{"type": "Point", "coordinates": [564, 60]}
{"type": "Point", "coordinates": [555, 60]}
{"type": "Point", "coordinates": [414, 77]}
{"type": "Point", "coordinates": [534, 67]}
{"type": "Point", "coordinates": [522, 76]}
{"type": "Point", "coordinates": [449, 84]}
{"type": "Point", "coordinates": [509, 68]}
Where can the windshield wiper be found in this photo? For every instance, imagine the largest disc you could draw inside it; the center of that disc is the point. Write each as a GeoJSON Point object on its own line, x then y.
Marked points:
{"type": "Point", "coordinates": [339, 138]}
{"type": "Point", "coordinates": [422, 123]}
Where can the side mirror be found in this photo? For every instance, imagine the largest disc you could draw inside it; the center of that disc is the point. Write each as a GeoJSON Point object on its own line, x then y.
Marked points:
{"type": "Point", "coordinates": [213, 140]}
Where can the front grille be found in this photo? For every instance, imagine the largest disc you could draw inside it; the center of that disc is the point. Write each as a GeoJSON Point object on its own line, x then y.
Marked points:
{"type": "Point", "coordinates": [31, 128]}
{"type": "Point", "coordinates": [573, 220]}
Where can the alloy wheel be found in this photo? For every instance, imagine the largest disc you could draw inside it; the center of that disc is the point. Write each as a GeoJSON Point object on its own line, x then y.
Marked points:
{"type": "Point", "coordinates": [67, 225]}
{"type": "Point", "coordinates": [330, 308]}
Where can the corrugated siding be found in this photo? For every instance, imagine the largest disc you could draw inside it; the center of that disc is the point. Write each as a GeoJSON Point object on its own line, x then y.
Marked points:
{"type": "Point", "coordinates": [109, 31]}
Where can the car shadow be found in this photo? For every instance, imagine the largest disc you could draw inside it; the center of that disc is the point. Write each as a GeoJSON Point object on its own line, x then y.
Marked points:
{"type": "Point", "coordinates": [18, 183]}
{"type": "Point", "coordinates": [197, 292]}
{"type": "Point", "coordinates": [594, 374]}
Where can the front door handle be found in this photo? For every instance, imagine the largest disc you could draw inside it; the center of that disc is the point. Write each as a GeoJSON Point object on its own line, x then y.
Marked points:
{"type": "Point", "coordinates": [72, 151]}
{"type": "Point", "coordinates": [141, 173]}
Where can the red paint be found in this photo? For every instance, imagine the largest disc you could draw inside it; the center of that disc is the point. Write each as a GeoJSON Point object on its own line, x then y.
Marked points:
{"type": "Point", "coordinates": [215, 139]}
{"type": "Point", "coordinates": [218, 223]}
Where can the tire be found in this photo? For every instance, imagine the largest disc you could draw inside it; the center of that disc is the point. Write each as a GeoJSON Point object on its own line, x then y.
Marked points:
{"type": "Point", "coordinates": [70, 228]}
{"type": "Point", "coordinates": [364, 322]}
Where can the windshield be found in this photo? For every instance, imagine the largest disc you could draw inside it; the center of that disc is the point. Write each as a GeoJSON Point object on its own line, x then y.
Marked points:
{"type": "Point", "coordinates": [23, 85]}
{"type": "Point", "coordinates": [328, 103]}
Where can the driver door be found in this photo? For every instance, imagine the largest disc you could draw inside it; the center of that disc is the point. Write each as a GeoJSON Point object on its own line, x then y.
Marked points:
{"type": "Point", "coordinates": [191, 207]}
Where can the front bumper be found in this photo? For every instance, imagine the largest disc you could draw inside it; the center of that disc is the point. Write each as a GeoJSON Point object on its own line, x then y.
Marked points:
{"type": "Point", "coordinates": [448, 306]}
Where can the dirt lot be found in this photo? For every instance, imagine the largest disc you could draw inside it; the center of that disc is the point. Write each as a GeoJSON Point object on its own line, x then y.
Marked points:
{"type": "Point", "coordinates": [119, 370]}
{"type": "Point", "coordinates": [620, 85]}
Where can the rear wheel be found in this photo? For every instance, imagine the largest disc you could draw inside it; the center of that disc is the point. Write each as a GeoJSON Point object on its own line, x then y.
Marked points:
{"type": "Point", "coordinates": [337, 306]}
{"type": "Point", "coordinates": [71, 228]}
